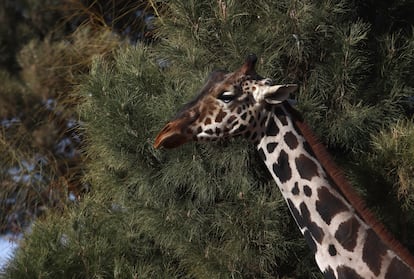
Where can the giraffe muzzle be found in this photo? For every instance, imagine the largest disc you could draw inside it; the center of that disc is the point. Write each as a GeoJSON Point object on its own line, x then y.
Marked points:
{"type": "Point", "coordinates": [171, 136]}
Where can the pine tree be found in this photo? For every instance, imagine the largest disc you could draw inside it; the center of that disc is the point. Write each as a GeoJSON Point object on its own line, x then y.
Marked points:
{"type": "Point", "coordinates": [210, 211]}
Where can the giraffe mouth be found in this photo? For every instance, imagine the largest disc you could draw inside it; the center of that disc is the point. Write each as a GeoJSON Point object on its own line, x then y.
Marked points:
{"type": "Point", "coordinates": [171, 137]}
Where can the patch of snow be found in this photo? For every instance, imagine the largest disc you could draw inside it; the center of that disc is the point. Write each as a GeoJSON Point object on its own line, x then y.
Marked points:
{"type": "Point", "coordinates": [14, 170]}
{"type": "Point", "coordinates": [65, 148]}
{"type": "Point", "coordinates": [71, 123]}
{"type": "Point", "coordinates": [50, 104]}
{"type": "Point", "coordinates": [7, 123]}
{"type": "Point", "coordinates": [29, 166]}
{"type": "Point", "coordinates": [8, 245]}
{"type": "Point", "coordinates": [64, 240]}
{"type": "Point", "coordinates": [72, 197]}
{"type": "Point", "coordinates": [28, 170]}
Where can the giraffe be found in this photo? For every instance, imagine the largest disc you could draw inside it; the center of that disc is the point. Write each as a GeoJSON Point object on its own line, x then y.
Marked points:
{"type": "Point", "coordinates": [345, 237]}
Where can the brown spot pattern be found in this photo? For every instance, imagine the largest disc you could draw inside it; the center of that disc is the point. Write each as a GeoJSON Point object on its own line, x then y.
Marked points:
{"type": "Point", "coordinates": [373, 251]}
{"type": "Point", "coordinates": [295, 189]}
{"type": "Point", "coordinates": [398, 269]}
{"type": "Point", "coordinates": [231, 119]}
{"type": "Point", "coordinates": [272, 129]}
{"type": "Point", "coordinates": [332, 250]}
{"type": "Point", "coordinates": [313, 228]}
{"type": "Point", "coordinates": [345, 272]}
{"type": "Point", "coordinates": [271, 147]}
{"type": "Point", "coordinates": [291, 140]}
{"type": "Point", "coordinates": [244, 116]}
{"type": "Point", "coordinates": [306, 167]}
{"type": "Point", "coordinates": [220, 116]}
{"type": "Point", "coordinates": [347, 233]}
{"type": "Point", "coordinates": [329, 273]}
{"type": "Point", "coordinates": [328, 205]}
{"type": "Point", "coordinates": [307, 190]}
{"type": "Point", "coordinates": [303, 220]}
{"type": "Point", "coordinates": [282, 167]}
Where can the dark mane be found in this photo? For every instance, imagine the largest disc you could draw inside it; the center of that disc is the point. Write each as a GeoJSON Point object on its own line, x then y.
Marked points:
{"type": "Point", "coordinates": [344, 187]}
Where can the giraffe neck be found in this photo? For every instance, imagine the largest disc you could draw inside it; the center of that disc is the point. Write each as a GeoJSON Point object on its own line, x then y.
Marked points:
{"type": "Point", "coordinates": [345, 246]}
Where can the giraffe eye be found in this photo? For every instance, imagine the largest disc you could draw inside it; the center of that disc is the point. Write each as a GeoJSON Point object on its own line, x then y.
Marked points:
{"type": "Point", "coordinates": [226, 96]}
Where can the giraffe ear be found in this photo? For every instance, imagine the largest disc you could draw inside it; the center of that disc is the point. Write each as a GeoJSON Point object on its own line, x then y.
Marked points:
{"type": "Point", "coordinates": [278, 93]}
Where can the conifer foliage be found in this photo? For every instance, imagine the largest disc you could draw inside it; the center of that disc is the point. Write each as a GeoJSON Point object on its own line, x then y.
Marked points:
{"type": "Point", "coordinates": [210, 210]}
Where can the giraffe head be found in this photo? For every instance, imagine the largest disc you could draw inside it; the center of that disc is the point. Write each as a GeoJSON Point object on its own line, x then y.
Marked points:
{"type": "Point", "coordinates": [228, 105]}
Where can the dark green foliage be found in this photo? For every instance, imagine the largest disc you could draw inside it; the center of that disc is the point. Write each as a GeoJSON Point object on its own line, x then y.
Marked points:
{"type": "Point", "coordinates": [394, 149]}
{"type": "Point", "coordinates": [210, 210]}
{"type": "Point", "coordinates": [22, 21]}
